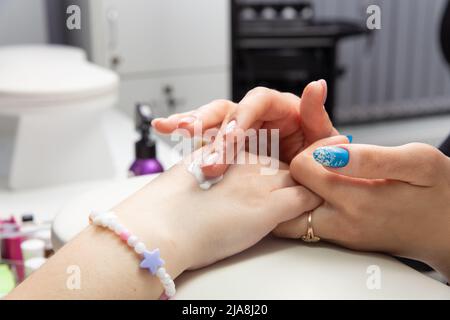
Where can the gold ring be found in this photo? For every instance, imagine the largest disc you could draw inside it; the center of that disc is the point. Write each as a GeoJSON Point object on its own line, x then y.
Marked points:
{"type": "Point", "coordinates": [309, 236]}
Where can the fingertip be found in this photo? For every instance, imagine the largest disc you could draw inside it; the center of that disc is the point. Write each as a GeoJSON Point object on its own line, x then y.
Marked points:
{"type": "Point", "coordinates": [156, 121]}
{"type": "Point", "coordinates": [314, 89]}
{"type": "Point", "coordinates": [163, 127]}
{"type": "Point", "coordinates": [158, 124]}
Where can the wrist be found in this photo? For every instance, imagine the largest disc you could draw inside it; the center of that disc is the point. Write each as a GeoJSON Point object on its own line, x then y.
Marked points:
{"type": "Point", "coordinates": [155, 234]}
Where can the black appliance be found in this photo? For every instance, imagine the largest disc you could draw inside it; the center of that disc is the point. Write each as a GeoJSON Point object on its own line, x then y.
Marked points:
{"type": "Point", "coordinates": [279, 44]}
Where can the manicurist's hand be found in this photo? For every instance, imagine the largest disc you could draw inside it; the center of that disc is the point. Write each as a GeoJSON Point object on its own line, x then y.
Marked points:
{"type": "Point", "coordinates": [300, 121]}
{"type": "Point", "coordinates": [389, 199]}
{"type": "Point", "coordinates": [191, 227]}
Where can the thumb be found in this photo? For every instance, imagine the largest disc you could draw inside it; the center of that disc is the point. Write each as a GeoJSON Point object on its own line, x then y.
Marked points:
{"type": "Point", "coordinates": [315, 121]}
{"type": "Point", "coordinates": [313, 175]}
{"type": "Point", "coordinates": [414, 163]}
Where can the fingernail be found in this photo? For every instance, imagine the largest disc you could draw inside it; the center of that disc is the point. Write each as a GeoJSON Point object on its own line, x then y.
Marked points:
{"type": "Point", "coordinates": [157, 120]}
{"type": "Point", "coordinates": [333, 157]}
{"type": "Point", "coordinates": [230, 126]}
{"type": "Point", "coordinates": [211, 159]}
{"type": "Point", "coordinates": [324, 85]}
{"type": "Point", "coordinates": [350, 138]}
{"type": "Point", "coordinates": [186, 120]}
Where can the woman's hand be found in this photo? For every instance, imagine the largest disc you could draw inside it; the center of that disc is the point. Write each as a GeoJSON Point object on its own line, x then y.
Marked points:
{"type": "Point", "coordinates": [190, 226]}
{"type": "Point", "coordinates": [300, 121]}
{"type": "Point", "coordinates": [394, 200]}
{"type": "Point", "coordinates": [206, 226]}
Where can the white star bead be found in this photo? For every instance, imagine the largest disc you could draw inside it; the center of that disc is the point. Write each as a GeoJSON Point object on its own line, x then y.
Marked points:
{"type": "Point", "coordinates": [132, 241]}
{"type": "Point", "coordinates": [140, 248]}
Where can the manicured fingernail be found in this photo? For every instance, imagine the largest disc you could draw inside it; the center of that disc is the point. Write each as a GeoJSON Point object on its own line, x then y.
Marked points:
{"type": "Point", "coordinates": [230, 126]}
{"type": "Point", "coordinates": [156, 120]}
{"type": "Point", "coordinates": [333, 157]}
{"type": "Point", "coordinates": [350, 138]}
{"type": "Point", "coordinates": [186, 120]}
{"type": "Point", "coordinates": [324, 85]}
{"type": "Point", "coordinates": [211, 159]}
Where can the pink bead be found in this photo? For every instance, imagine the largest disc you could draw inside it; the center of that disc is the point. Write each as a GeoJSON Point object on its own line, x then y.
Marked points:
{"type": "Point", "coordinates": [124, 235]}
{"type": "Point", "coordinates": [163, 297]}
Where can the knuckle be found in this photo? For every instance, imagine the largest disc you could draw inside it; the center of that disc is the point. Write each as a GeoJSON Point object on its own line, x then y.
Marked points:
{"type": "Point", "coordinates": [418, 147]}
{"type": "Point", "coordinates": [429, 160]}
{"type": "Point", "coordinates": [221, 103]}
{"type": "Point", "coordinates": [424, 151]}
{"type": "Point", "coordinates": [260, 91]}
{"type": "Point", "coordinates": [217, 107]}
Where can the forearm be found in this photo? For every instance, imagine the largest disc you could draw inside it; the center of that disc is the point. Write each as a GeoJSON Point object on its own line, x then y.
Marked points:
{"type": "Point", "coordinates": [108, 268]}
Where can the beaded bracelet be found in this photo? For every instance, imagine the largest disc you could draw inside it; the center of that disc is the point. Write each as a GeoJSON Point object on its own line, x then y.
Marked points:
{"type": "Point", "coordinates": [151, 259]}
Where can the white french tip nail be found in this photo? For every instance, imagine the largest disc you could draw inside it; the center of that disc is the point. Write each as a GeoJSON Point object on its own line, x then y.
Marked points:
{"type": "Point", "coordinates": [211, 159]}
{"type": "Point", "coordinates": [230, 126]}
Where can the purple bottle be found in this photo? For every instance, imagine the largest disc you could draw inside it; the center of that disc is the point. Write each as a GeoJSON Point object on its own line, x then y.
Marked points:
{"type": "Point", "coordinates": [145, 148]}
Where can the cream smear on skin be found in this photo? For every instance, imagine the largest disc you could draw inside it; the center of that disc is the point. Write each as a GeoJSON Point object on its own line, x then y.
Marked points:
{"type": "Point", "coordinates": [195, 166]}
{"type": "Point", "coordinates": [195, 169]}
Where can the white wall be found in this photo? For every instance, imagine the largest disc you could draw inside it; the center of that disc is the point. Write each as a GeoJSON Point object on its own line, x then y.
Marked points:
{"type": "Point", "coordinates": [22, 21]}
